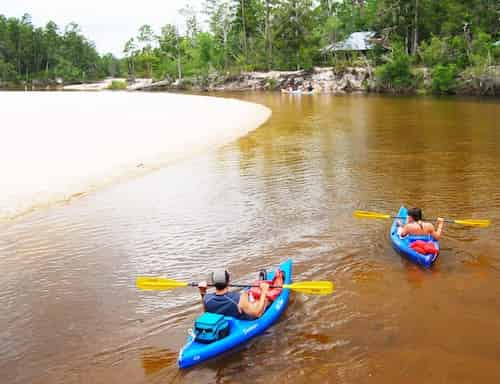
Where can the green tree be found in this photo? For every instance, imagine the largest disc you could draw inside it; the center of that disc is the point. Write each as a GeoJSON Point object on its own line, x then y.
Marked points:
{"type": "Point", "coordinates": [130, 51]}
{"type": "Point", "coordinates": [444, 78]}
{"type": "Point", "coordinates": [52, 41]}
{"type": "Point", "coordinates": [170, 51]}
{"type": "Point", "coordinates": [146, 37]}
{"type": "Point", "coordinates": [110, 66]}
{"type": "Point", "coordinates": [395, 74]}
{"type": "Point", "coordinates": [294, 23]}
{"type": "Point", "coordinates": [220, 18]}
{"type": "Point", "coordinates": [433, 52]}
{"type": "Point", "coordinates": [247, 30]}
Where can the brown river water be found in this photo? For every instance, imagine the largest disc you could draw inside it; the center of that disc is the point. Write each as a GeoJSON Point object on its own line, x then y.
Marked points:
{"type": "Point", "coordinates": [70, 312]}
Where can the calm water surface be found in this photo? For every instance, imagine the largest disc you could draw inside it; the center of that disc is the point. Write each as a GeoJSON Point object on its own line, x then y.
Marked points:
{"type": "Point", "coordinates": [71, 314]}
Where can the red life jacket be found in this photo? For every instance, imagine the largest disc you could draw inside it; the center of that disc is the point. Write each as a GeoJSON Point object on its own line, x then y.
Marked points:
{"type": "Point", "coordinates": [424, 247]}
{"type": "Point", "coordinates": [272, 293]}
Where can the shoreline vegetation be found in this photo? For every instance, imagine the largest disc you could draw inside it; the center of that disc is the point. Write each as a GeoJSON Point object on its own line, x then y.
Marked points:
{"type": "Point", "coordinates": [322, 79]}
{"type": "Point", "coordinates": [411, 46]}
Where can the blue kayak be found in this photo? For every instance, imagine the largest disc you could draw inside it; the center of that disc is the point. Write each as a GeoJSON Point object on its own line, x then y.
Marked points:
{"type": "Point", "coordinates": [402, 245]}
{"type": "Point", "coordinates": [240, 331]}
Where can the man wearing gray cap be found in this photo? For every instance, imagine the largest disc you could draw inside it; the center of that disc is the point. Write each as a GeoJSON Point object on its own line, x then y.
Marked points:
{"type": "Point", "coordinates": [233, 303]}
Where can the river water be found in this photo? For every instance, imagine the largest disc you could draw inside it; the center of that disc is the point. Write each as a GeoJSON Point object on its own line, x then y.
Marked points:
{"type": "Point", "coordinates": [71, 313]}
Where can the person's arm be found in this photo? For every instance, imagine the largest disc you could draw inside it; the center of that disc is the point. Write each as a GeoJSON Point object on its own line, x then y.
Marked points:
{"type": "Point", "coordinates": [436, 233]}
{"type": "Point", "coordinates": [202, 286]}
{"type": "Point", "coordinates": [255, 309]}
{"type": "Point", "coordinates": [401, 228]}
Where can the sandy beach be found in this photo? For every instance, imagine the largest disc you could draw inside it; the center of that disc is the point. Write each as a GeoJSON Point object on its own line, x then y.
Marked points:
{"type": "Point", "coordinates": [104, 84]}
{"type": "Point", "coordinates": [59, 145]}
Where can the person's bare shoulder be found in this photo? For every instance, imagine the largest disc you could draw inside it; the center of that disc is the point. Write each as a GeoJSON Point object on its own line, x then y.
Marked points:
{"type": "Point", "coordinates": [429, 227]}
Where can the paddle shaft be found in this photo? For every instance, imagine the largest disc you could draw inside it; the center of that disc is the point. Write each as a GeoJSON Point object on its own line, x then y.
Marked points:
{"type": "Point", "coordinates": [467, 222]}
{"type": "Point", "coordinates": [237, 285]}
{"type": "Point", "coordinates": [308, 287]}
{"type": "Point", "coordinates": [400, 217]}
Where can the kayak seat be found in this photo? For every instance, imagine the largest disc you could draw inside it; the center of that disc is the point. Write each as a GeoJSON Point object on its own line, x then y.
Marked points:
{"type": "Point", "coordinates": [262, 274]}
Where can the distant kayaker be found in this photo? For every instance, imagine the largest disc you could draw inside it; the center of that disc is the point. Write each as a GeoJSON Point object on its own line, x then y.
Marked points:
{"type": "Point", "coordinates": [415, 225]}
{"type": "Point", "coordinates": [235, 304]}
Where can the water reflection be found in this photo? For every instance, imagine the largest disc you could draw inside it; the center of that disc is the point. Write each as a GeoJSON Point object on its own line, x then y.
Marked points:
{"type": "Point", "coordinates": [156, 359]}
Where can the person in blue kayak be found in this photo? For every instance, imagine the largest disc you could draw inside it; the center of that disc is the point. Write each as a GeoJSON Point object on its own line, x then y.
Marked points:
{"type": "Point", "coordinates": [242, 305]}
{"type": "Point", "coordinates": [415, 225]}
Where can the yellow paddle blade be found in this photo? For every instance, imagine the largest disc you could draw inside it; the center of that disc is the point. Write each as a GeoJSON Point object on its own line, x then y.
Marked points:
{"type": "Point", "coordinates": [158, 283]}
{"type": "Point", "coordinates": [312, 287]}
{"type": "Point", "coordinates": [371, 215]}
{"type": "Point", "coordinates": [474, 223]}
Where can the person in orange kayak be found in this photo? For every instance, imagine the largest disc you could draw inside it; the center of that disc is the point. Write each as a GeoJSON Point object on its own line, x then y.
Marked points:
{"type": "Point", "coordinates": [415, 225]}
{"type": "Point", "coordinates": [246, 305]}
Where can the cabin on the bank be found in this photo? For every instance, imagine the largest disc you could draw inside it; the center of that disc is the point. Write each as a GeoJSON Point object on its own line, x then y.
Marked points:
{"type": "Point", "coordinates": [357, 42]}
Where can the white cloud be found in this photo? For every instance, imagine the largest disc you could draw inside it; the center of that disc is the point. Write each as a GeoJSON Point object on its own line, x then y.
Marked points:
{"type": "Point", "coordinates": [109, 23]}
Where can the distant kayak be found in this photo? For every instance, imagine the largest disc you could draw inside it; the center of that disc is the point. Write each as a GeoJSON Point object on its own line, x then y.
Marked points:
{"type": "Point", "coordinates": [404, 245]}
{"type": "Point", "coordinates": [297, 92]}
{"type": "Point", "coordinates": [240, 331]}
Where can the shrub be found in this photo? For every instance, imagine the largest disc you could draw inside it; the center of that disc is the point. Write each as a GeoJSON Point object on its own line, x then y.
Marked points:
{"type": "Point", "coordinates": [272, 83]}
{"type": "Point", "coordinates": [117, 85]}
{"type": "Point", "coordinates": [496, 54]}
{"type": "Point", "coordinates": [434, 52]}
{"type": "Point", "coordinates": [419, 77]}
{"type": "Point", "coordinates": [7, 71]}
{"type": "Point", "coordinates": [458, 52]}
{"type": "Point", "coordinates": [481, 45]}
{"type": "Point", "coordinates": [396, 74]}
{"type": "Point", "coordinates": [444, 78]}
{"type": "Point", "coordinates": [341, 64]}
{"type": "Point", "coordinates": [376, 54]}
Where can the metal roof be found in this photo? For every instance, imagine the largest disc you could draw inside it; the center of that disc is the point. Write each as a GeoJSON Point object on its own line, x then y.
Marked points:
{"type": "Point", "coordinates": [358, 41]}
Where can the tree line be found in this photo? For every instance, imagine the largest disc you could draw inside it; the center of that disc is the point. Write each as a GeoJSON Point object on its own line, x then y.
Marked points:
{"type": "Point", "coordinates": [41, 53]}
{"type": "Point", "coordinates": [228, 36]}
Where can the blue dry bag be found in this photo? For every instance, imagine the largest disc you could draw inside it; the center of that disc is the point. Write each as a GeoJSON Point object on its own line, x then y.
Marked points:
{"type": "Point", "coordinates": [210, 327]}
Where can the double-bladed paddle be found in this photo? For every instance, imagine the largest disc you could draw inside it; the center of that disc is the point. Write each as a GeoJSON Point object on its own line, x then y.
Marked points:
{"type": "Point", "coordinates": [162, 284]}
{"type": "Point", "coordinates": [469, 222]}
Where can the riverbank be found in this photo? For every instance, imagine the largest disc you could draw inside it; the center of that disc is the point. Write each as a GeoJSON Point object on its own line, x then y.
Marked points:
{"type": "Point", "coordinates": [340, 81]}
{"type": "Point", "coordinates": [350, 79]}
{"type": "Point", "coordinates": [74, 142]}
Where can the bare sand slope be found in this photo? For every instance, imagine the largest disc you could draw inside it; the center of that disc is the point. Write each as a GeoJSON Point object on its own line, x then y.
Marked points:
{"type": "Point", "coordinates": [55, 145]}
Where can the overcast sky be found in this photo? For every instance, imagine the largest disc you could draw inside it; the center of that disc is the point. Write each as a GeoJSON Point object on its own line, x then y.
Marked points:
{"type": "Point", "coordinates": [108, 23]}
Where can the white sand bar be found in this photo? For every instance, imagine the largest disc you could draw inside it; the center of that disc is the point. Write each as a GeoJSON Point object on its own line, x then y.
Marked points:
{"type": "Point", "coordinates": [55, 145]}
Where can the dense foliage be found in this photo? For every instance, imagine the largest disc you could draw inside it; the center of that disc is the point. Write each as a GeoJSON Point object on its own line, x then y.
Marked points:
{"type": "Point", "coordinates": [396, 73]}
{"type": "Point", "coordinates": [28, 52]}
{"type": "Point", "coordinates": [443, 78]}
{"type": "Point", "coordinates": [228, 36]}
